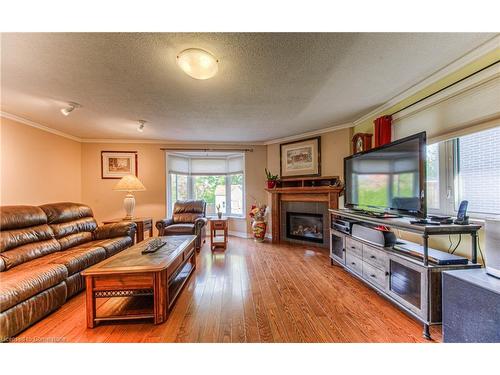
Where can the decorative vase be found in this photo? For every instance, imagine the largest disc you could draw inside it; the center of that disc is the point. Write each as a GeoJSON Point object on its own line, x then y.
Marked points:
{"type": "Point", "coordinates": [271, 184]}
{"type": "Point", "coordinates": [259, 230]}
{"type": "Point", "coordinates": [219, 214]}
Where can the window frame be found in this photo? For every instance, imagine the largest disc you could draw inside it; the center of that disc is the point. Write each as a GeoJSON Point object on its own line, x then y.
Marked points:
{"type": "Point", "coordinates": [191, 182]}
{"type": "Point", "coordinates": [449, 189]}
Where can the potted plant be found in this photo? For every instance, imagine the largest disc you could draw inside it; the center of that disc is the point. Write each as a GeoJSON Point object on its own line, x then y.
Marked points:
{"type": "Point", "coordinates": [219, 212]}
{"type": "Point", "coordinates": [271, 179]}
{"type": "Point", "coordinates": [258, 214]}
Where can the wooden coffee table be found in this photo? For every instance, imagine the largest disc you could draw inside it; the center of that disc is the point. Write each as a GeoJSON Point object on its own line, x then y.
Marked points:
{"type": "Point", "coordinates": [130, 273]}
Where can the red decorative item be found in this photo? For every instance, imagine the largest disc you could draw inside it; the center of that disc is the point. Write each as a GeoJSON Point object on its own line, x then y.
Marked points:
{"type": "Point", "coordinates": [271, 184]}
{"type": "Point", "coordinates": [383, 130]}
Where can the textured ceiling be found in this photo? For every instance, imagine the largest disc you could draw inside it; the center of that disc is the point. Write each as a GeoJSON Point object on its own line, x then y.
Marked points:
{"type": "Point", "coordinates": [269, 85]}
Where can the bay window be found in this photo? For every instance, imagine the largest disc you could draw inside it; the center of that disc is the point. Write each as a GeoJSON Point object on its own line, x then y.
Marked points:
{"type": "Point", "coordinates": [216, 178]}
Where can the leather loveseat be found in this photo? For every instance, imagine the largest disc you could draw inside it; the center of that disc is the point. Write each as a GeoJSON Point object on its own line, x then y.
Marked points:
{"type": "Point", "coordinates": [42, 252]}
{"type": "Point", "coordinates": [188, 218]}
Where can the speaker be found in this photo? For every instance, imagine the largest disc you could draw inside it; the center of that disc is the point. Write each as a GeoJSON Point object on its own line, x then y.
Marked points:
{"type": "Point", "coordinates": [377, 235]}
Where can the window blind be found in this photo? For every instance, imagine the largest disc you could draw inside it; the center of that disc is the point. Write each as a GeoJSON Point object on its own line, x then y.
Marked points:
{"type": "Point", "coordinates": [205, 166]}
{"type": "Point", "coordinates": [467, 112]}
{"type": "Point", "coordinates": [178, 164]}
{"type": "Point", "coordinates": [235, 164]}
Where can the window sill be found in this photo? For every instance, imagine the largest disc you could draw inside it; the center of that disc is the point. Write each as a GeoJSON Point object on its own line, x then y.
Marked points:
{"type": "Point", "coordinates": [232, 217]}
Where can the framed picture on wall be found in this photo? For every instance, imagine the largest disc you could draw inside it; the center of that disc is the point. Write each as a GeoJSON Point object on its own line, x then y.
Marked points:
{"type": "Point", "coordinates": [301, 158]}
{"type": "Point", "coordinates": [116, 164]}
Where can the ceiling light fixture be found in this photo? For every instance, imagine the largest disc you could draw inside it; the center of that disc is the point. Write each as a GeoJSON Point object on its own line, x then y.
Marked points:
{"type": "Point", "coordinates": [140, 128]}
{"type": "Point", "coordinates": [198, 63]}
{"type": "Point", "coordinates": [70, 108]}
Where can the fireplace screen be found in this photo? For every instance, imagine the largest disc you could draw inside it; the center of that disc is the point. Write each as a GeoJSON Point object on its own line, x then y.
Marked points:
{"type": "Point", "coordinates": [304, 226]}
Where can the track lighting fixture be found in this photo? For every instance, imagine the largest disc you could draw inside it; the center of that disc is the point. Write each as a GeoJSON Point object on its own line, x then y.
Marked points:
{"type": "Point", "coordinates": [70, 108]}
{"type": "Point", "coordinates": [140, 128]}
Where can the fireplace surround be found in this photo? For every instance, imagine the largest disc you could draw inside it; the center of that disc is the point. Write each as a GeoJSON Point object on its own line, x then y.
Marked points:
{"type": "Point", "coordinates": [322, 191]}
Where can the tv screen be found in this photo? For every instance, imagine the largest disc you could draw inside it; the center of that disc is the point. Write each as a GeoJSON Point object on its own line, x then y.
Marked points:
{"type": "Point", "coordinates": [389, 178]}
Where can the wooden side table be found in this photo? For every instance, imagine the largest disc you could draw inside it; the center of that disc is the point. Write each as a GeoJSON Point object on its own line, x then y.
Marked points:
{"type": "Point", "coordinates": [215, 239]}
{"type": "Point", "coordinates": [143, 224]}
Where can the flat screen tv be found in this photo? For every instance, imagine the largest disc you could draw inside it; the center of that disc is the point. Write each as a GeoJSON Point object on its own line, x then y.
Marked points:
{"type": "Point", "coordinates": [388, 179]}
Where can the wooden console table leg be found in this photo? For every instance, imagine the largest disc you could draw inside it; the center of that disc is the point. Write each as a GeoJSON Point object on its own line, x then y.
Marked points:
{"type": "Point", "coordinates": [90, 300]}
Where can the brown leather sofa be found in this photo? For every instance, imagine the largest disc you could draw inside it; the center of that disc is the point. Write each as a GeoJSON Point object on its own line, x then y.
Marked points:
{"type": "Point", "coordinates": [42, 252]}
{"type": "Point", "coordinates": [188, 217]}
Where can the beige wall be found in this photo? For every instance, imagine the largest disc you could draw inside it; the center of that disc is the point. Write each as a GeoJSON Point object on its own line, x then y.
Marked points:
{"type": "Point", "coordinates": [37, 167]}
{"type": "Point", "coordinates": [335, 146]}
{"type": "Point", "coordinates": [108, 204]}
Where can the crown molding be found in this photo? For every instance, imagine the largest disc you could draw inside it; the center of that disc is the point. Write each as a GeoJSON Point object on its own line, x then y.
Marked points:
{"type": "Point", "coordinates": [37, 125]}
{"type": "Point", "coordinates": [461, 62]}
{"type": "Point", "coordinates": [309, 134]}
{"type": "Point", "coordinates": [169, 142]}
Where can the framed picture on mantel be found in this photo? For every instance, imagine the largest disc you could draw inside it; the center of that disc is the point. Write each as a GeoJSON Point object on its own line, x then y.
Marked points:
{"type": "Point", "coordinates": [117, 164]}
{"type": "Point", "coordinates": [301, 158]}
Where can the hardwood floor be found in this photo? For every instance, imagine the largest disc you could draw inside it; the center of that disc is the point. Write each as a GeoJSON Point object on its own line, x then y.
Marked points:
{"type": "Point", "coordinates": [251, 293]}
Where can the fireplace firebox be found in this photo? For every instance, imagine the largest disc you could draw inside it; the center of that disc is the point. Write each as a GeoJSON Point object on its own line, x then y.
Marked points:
{"type": "Point", "coordinates": [304, 226]}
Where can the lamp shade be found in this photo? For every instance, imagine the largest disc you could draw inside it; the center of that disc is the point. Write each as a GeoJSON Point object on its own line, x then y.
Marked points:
{"type": "Point", "coordinates": [129, 183]}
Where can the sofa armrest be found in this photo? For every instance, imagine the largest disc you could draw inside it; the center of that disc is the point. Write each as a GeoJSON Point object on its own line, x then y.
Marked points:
{"type": "Point", "coordinates": [125, 228]}
{"type": "Point", "coordinates": [162, 224]}
{"type": "Point", "coordinates": [199, 224]}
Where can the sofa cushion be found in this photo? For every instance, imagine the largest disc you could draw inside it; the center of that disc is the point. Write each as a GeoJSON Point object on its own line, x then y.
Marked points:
{"type": "Point", "coordinates": [15, 217]}
{"type": "Point", "coordinates": [27, 280]}
{"type": "Point", "coordinates": [24, 235]}
{"type": "Point", "coordinates": [179, 229]}
{"type": "Point", "coordinates": [113, 245]}
{"type": "Point", "coordinates": [78, 258]}
{"type": "Point", "coordinates": [28, 252]}
{"type": "Point", "coordinates": [72, 223]}
{"type": "Point", "coordinates": [24, 314]}
{"type": "Point", "coordinates": [65, 211]}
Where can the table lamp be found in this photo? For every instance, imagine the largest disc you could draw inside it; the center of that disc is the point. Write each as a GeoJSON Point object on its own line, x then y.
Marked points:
{"type": "Point", "coordinates": [129, 184]}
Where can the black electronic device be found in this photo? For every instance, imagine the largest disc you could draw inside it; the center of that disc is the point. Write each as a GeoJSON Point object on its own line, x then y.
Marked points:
{"type": "Point", "coordinates": [390, 178]}
{"type": "Point", "coordinates": [378, 235]}
{"type": "Point", "coordinates": [441, 219]}
{"type": "Point", "coordinates": [424, 222]}
{"type": "Point", "coordinates": [462, 218]}
{"type": "Point", "coordinates": [435, 256]}
{"type": "Point", "coordinates": [342, 225]}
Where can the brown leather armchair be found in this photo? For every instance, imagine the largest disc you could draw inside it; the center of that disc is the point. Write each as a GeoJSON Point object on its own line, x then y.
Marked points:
{"type": "Point", "coordinates": [188, 218]}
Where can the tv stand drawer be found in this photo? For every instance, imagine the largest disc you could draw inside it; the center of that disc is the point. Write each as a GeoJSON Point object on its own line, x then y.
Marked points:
{"type": "Point", "coordinates": [374, 275]}
{"type": "Point", "coordinates": [354, 263]}
{"type": "Point", "coordinates": [354, 247]}
{"type": "Point", "coordinates": [375, 257]}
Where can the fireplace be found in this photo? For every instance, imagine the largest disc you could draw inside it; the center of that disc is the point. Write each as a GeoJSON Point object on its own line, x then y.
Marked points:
{"type": "Point", "coordinates": [304, 226]}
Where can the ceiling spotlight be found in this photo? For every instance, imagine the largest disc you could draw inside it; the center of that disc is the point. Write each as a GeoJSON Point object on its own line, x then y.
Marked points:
{"type": "Point", "coordinates": [140, 128]}
{"type": "Point", "coordinates": [70, 108]}
{"type": "Point", "coordinates": [198, 63]}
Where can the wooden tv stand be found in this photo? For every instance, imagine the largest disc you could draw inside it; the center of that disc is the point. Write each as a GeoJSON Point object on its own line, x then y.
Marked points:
{"type": "Point", "coordinates": [413, 284]}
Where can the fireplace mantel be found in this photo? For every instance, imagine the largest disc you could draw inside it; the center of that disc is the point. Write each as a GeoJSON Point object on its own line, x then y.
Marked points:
{"type": "Point", "coordinates": [302, 192]}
